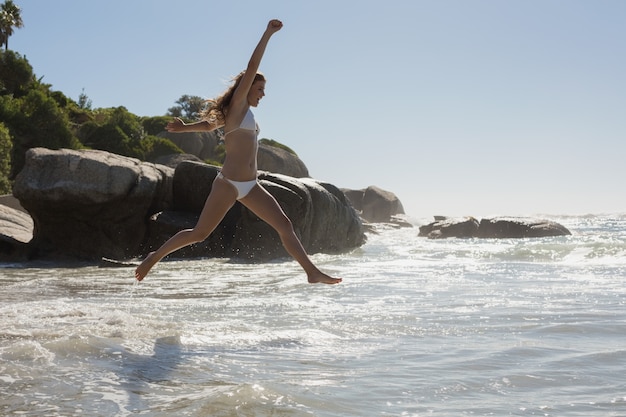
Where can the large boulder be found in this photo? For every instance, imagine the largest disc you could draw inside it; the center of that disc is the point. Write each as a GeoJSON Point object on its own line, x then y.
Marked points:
{"type": "Point", "coordinates": [16, 231]}
{"type": "Point", "coordinates": [89, 204]}
{"type": "Point", "coordinates": [322, 217]}
{"type": "Point", "coordinates": [204, 145]}
{"type": "Point", "coordinates": [375, 204]}
{"type": "Point", "coordinates": [277, 160]}
{"type": "Point", "coordinates": [172, 160]}
{"type": "Point", "coordinates": [494, 228]}
{"type": "Point", "coordinates": [520, 227]}
{"type": "Point", "coordinates": [445, 227]}
{"type": "Point", "coordinates": [201, 144]}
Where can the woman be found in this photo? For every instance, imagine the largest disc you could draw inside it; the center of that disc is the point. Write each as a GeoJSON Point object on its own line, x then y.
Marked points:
{"type": "Point", "coordinates": [237, 180]}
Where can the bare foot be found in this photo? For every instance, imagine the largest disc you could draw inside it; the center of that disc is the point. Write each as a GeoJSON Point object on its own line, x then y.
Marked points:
{"type": "Point", "coordinates": [145, 266]}
{"type": "Point", "coordinates": [322, 278]}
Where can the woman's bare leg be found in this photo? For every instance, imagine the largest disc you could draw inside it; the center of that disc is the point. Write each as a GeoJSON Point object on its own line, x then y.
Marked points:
{"type": "Point", "coordinates": [264, 205]}
{"type": "Point", "coordinates": [220, 200]}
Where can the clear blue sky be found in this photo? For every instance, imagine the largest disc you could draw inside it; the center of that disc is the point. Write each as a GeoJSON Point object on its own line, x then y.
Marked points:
{"type": "Point", "coordinates": [460, 107]}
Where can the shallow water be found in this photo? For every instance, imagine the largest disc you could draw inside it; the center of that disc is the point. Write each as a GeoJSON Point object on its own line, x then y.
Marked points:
{"type": "Point", "coordinates": [531, 327]}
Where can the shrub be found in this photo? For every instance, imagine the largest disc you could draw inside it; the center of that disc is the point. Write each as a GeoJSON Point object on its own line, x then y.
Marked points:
{"type": "Point", "coordinates": [16, 74]}
{"type": "Point", "coordinates": [36, 120]}
{"type": "Point", "coordinates": [5, 160]}
{"type": "Point", "coordinates": [272, 142]}
{"type": "Point", "coordinates": [154, 147]}
{"type": "Point", "coordinates": [155, 125]}
{"type": "Point", "coordinates": [112, 138]}
{"type": "Point", "coordinates": [114, 130]}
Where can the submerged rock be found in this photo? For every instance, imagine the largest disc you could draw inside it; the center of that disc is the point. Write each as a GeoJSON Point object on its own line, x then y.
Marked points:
{"type": "Point", "coordinates": [519, 227]}
{"type": "Point", "coordinates": [446, 227]}
{"type": "Point", "coordinates": [496, 227]}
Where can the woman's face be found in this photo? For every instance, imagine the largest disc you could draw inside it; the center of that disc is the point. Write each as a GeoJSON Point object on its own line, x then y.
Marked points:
{"type": "Point", "coordinates": [256, 93]}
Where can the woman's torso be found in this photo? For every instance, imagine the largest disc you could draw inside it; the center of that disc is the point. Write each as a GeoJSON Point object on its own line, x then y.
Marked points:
{"type": "Point", "coordinates": [241, 144]}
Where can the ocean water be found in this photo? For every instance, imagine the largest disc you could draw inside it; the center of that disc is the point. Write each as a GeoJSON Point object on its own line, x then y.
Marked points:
{"type": "Point", "coordinates": [530, 327]}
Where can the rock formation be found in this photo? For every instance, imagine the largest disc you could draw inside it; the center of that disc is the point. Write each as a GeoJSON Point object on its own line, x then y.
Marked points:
{"type": "Point", "coordinates": [200, 144]}
{"type": "Point", "coordinates": [93, 204]}
{"type": "Point", "coordinates": [173, 160]}
{"type": "Point", "coordinates": [277, 160]}
{"type": "Point", "coordinates": [16, 230]}
{"type": "Point", "coordinates": [496, 227]}
{"type": "Point", "coordinates": [516, 227]}
{"type": "Point", "coordinates": [445, 227]}
{"type": "Point", "coordinates": [320, 213]}
{"type": "Point", "coordinates": [375, 204]}
{"type": "Point", "coordinates": [88, 204]}
{"type": "Point", "coordinates": [204, 146]}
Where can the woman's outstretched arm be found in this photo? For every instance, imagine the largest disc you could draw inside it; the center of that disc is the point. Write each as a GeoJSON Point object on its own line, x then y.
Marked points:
{"type": "Point", "coordinates": [255, 60]}
{"type": "Point", "coordinates": [178, 126]}
{"type": "Point", "coordinates": [241, 94]}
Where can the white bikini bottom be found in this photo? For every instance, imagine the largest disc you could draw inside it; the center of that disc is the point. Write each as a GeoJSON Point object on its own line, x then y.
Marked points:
{"type": "Point", "coordinates": [242, 187]}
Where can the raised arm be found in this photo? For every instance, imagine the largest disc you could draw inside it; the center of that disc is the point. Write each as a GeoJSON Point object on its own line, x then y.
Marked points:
{"type": "Point", "coordinates": [178, 126]}
{"type": "Point", "coordinates": [241, 94]}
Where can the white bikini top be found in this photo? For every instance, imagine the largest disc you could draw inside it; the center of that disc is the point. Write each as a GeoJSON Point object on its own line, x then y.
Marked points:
{"type": "Point", "coordinates": [248, 123]}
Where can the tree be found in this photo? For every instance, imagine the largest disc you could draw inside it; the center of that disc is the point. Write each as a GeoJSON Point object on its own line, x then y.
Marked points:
{"type": "Point", "coordinates": [10, 17]}
{"type": "Point", "coordinates": [16, 74]}
{"type": "Point", "coordinates": [188, 107]}
{"type": "Point", "coordinates": [154, 125]}
{"type": "Point", "coordinates": [111, 138]}
{"type": "Point", "coordinates": [83, 101]}
{"type": "Point", "coordinates": [115, 130]}
{"type": "Point", "coordinates": [35, 120]}
{"type": "Point", "coordinates": [154, 147]}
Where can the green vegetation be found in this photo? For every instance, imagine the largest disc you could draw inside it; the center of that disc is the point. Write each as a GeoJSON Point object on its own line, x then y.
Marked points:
{"type": "Point", "coordinates": [272, 142]}
{"type": "Point", "coordinates": [188, 107]}
{"type": "Point", "coordinates": [5, 163]}
{"type": "Point", "coordinates": [33, 115]}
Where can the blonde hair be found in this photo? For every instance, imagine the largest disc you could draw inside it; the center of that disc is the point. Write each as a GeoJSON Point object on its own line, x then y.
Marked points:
{"type": "Point", "coordinates": [216, 109]}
